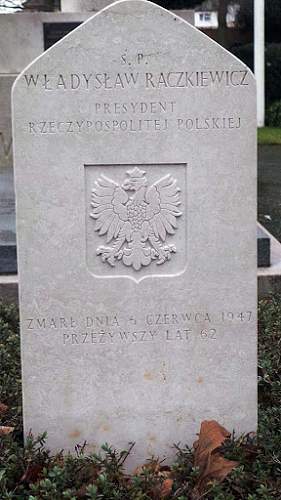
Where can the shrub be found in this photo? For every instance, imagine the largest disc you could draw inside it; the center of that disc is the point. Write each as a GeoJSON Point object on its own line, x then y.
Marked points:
{"type": "Point", "coordinates": [31, 472]}
{"type": "Point", "coordinates": [273, 114]}
{"type": "Point", "coordinates": [10, 366]}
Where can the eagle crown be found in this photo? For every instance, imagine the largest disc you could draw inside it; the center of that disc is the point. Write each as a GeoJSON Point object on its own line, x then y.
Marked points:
{"type": "Point", "coordinates": [136, 180]}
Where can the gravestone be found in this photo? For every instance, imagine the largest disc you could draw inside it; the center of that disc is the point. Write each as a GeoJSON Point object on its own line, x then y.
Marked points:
{"type": "Point", "coordinates": [135, 169]}
{"type": "Point", "coordinates": [7, 195]}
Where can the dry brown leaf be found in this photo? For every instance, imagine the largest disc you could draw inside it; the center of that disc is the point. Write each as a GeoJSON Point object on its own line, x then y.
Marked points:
{"type": "Point", "coordinates": [166, 488]}
{"type": "Point", "coordinates": [32, 473]}
{"type": "Point", "coordinates": [212, 436]}
{"type": "Point", "coordinates": [217, 470]}
{"type": "Point", "coordinates": [3, 409]}
{"type": "Point", "coordinates": [212, 465]}
{"type": "Point", "coordinates": [4, 430]}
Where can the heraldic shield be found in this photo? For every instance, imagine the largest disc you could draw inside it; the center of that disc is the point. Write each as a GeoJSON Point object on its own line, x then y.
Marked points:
{"type": "Point", "coordinates": [136, 220]}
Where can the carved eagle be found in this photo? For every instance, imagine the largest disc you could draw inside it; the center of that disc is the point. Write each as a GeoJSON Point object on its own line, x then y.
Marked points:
{"type": "Point", "coordinates": [132, 214]}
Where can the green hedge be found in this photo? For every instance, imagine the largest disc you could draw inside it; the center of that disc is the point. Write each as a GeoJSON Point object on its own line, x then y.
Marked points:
{"type": "Point", "coordinates": [273, 115]}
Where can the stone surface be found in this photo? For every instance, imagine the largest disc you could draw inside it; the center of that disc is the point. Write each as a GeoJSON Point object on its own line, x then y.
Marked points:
{"type": "Point", "coordinates": [186, 14]}
{"type": "Point", "coordinates": [21, 39]}
{"type": "Point", "coordinates": [6, 82]}
{"type": "Point", "coordinates": [138, 315]}
{"type": "Point", "coordinates": [22, 36]}
{"type": "Point", "coordinates": [267, 285]}
{"type": "Point", "coordinates": [83, 5]}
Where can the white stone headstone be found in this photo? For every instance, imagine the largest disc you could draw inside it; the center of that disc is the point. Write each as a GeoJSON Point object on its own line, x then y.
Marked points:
{"type": "Point", "coordinates": [135, 165]}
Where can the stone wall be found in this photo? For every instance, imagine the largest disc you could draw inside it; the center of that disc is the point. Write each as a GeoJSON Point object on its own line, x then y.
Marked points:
{"type": "Point", "coordinates": [21, 41]}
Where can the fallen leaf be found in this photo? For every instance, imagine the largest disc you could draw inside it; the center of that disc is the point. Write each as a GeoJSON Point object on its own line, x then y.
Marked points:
{"type": "Point", "coordinates": [4, 431]}
{"type": "Point", "coordinates": [212, 435]}
{"type": "Point", "coordinates": [217, 470]}
{"type": "Point", "coordinates": [3, 409]}
{"type": "Point", "coordinates": [212, 465]}
{"type": "Point", "coordinates": [163, 487]}
{"type": "Point", "coordinates": [166, 488]}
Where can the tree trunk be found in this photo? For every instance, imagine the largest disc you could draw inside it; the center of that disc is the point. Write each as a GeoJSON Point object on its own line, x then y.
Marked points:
{"type": "Point", "coordinates": [222, 29]}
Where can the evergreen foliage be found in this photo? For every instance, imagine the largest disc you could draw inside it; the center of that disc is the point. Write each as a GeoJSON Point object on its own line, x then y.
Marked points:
{"type": "Point", "coordinates": [30, 472]}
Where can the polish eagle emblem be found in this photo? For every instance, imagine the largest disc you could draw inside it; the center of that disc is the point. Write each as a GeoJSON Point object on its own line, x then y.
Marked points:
{"type": "Point", "coordinates": [135, 218]}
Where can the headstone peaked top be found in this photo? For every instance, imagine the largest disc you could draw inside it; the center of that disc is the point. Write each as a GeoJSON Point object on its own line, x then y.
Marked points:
{"type": "Point", "coordinates": [135, 166]}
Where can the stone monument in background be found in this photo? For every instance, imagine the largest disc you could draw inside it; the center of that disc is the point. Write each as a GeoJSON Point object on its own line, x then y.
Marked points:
{"type": "Point", "coordinates": [135, 171]}
{"type": "Point", "coordinates": [83, 5]}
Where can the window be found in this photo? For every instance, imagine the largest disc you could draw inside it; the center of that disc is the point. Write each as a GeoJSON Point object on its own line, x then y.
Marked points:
{"type": "Point", "coordinates": [53, 32]}
{"type": "Point", "coordinates": [205, 17]}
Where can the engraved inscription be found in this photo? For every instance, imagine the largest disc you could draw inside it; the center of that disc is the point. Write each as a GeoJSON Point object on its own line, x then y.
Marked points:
{"type": "Point", "coordinates": [150, 319]}
{"type": "Point", "coordinates": [135, 336]}
{"type": "Point", "coordinates": [153, 327]}
{"type": "Point", "coordinates": [134, 213]}
{"type": "Point", "coordinates": [91, 125]}
{"type": "Point", "coordinates": [137, 116]}
{"type": "Point", "coordinates": [148, 80]}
